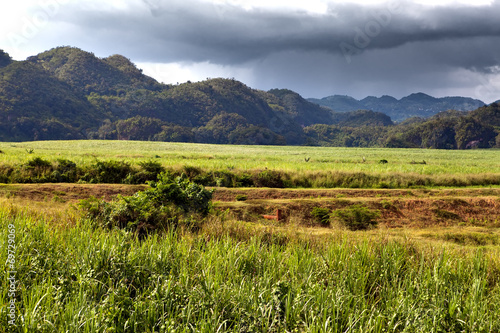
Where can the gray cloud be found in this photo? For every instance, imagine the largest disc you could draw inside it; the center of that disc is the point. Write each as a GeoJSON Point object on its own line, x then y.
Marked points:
{"type": "Point", "coordinates": [389, 48]}
{"type": "Point", "coordinates": [228, 34]}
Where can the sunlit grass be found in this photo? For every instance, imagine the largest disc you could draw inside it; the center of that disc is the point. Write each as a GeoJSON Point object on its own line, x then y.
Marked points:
{"type": "Point", "coordinates": [214, 157]}
{"type": "Point", "coordinates": [233, 278]}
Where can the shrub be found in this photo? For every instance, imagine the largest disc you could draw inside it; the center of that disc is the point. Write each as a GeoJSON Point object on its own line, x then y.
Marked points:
{"type": "Point", "coordinates": [65, 171]}
{"type": "Point", "coordinates": [165, 204]}
{"type": "Point", "coordinates": [150, 170]}
{"type": "Point", "coordinates": [38, 162]}
{"type": "Point", "coordinates": [36, 170]}
{"type": "Point", "coordinates": [268, 178]}
{"type": "Point", "coordinates": [191, 197]}
{"type": "Point", "coordinates": [321, 215]}
{"type": "Point", "coordinates": [357, 217]}
{"type": "Point", "coordinates": [224, 178]}
{"type": "Point", "coordinates": [241, 197]}
{"type": "Point", "coordinates": [191, 171]}
{"type": "Point", "coordinates": [112, 172]}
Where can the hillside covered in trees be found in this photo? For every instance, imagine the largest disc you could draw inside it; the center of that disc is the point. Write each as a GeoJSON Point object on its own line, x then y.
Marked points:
{"type": "Point", "coordinates": [67, 93]}
{"type": "Point", "coordinates": [414, 105]}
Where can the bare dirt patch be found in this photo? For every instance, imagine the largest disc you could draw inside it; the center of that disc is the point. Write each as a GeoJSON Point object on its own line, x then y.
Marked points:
{"type": "Point", "coordinates": [67, 192]}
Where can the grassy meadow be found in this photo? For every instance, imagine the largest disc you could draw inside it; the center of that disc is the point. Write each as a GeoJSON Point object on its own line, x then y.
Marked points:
{"type": "Point", "coordinates": [295, 166]}
{"type": "Point", "coordinates": [430, 262]}
{"type": "Point", "coordinates": [286, 158]}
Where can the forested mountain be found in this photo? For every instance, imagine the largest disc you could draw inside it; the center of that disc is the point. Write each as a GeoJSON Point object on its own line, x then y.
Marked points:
{"type": "Point", "coordinates": [446, 130]}
{"type": "Point", "coordinates": [414, 105]}
{"type": "Point", "coordinates": [67, 93]}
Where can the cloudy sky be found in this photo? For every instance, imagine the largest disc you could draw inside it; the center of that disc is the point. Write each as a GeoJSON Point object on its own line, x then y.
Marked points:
{"type": "Point", "coordinates": [315, 47]}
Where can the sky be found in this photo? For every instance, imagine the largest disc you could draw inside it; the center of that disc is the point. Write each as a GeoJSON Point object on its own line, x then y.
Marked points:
{"type": "Point", "coordinates": [317, 48]}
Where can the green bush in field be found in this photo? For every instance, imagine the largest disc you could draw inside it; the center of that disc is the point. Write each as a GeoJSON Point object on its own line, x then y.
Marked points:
{"type": "Point", "coordinates": [321, 215]}
{"type": "Point", "coordinates": [269, 178]}
{"type": "Point", "coordinates": [357, 217]}
{"type": "Point", "coordinates": [149, 172]}
{"type": "Point", "coordinates": [38, 170]}
{"type": "Point", "coordinates": [111, 172]}
{"type": "Point", "coordinates": [65, 171]}
{"type": "Point", "coordinates": [241, 197]}
{"type": "Point", "coordinates": [167, 203]}
{"type": "Point", "coordinates": [38, 162]}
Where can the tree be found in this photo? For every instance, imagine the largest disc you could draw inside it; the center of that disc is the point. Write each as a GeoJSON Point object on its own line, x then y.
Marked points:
{"type": "Point", "coordinates": [472, 134]}
{"type": "Point", "coordinates": [138, 128]}
{"type": "Point", "coordinates": [217, 130]}
{"type": "Point", "coordinates": [5, 59]}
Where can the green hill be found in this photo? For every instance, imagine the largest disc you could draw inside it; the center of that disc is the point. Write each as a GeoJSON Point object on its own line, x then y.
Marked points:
{"type": "Point", "coordinates": [85, 72]}
{"type": "Point", "coordinates": [67, 93]}
{"type": "Point", "coordinates": [36, 106]}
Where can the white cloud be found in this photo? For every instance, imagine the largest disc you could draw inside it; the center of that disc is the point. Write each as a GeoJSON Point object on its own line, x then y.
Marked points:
{"type": "Point", "coordinates": [172, 73]}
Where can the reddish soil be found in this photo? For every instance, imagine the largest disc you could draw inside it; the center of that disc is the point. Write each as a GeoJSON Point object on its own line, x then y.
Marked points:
{"type": "Point", "coordinates": [67, 192]}
{"type": "Point", "coordinates": [414, 207]}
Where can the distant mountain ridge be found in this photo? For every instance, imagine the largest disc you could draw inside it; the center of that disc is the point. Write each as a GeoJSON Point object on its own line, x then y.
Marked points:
{"type": "Point", "coordinates": [414, 105]}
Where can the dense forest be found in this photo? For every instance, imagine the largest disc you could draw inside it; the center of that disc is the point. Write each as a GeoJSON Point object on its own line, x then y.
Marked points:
{"type": "Point", "coordinates": [67, 93]}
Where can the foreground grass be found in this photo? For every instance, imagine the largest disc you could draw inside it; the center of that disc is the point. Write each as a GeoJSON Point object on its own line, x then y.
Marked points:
{"type": "Point", "coordinates": [229, 279]}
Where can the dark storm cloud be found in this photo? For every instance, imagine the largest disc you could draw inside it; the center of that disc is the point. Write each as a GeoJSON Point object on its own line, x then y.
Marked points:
{"type": "Point", "coordinates": [168, 31]}
{"type": "Point", "coordinates": [395, 48]}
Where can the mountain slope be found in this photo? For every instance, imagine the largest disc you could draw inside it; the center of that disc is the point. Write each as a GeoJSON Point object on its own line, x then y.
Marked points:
{"type": "Point", "coordinates": [87, 73]}
{"type": "Point", "coordinates": [34, 105]}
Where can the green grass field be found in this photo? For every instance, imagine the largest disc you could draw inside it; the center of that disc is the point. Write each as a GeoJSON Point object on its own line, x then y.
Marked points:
{"type": "Point", "coordinates": [214, 157]}
{"type": "Point", "coordinates": [270, 166]}
{"type": "Point", "coordinates": [432, 266]}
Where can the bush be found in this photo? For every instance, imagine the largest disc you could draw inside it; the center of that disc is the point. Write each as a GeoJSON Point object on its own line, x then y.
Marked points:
{"type": "Point", "coordinates": [321, 215]}
{"type": "Point", "coordinates": [111, 172]}
{"type": "Point", "coordinates": [191, 197]}
{"type": "Point", "coordinates": [36, 170]}
{"type": "Point", "coordinates": [357, 217]}
{"type": "Point", "coordinates": [167, 203]}
{"type": "Point", "coordinates": [241, 197]}
{"type": "Point", "coordinates": [65, 171]}
{"type": "Point", "coordinates": [38, 162]}
{"type": "Point", "coordinates": [150, 170]}
{"type": "Point", "coordinates": [268, 178]}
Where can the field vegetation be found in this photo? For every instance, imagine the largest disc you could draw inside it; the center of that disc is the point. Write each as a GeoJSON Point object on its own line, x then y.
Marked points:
{"type": "Point", "coordinates": [244, 166]}
{"type": "Point", "coordinates": [93, 255]}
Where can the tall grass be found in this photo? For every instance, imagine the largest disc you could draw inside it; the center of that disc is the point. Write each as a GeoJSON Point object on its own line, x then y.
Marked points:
{"type": "Point", "coordinates": [288, 159]}
{"type": "Point", "coordinates": [39, 170]}
{"type": "Point", "coordinates": [80, 279]}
